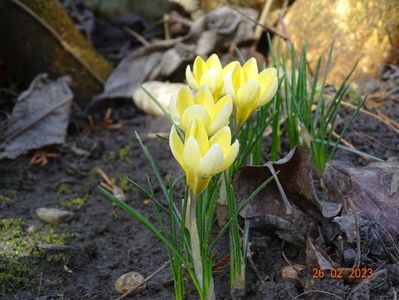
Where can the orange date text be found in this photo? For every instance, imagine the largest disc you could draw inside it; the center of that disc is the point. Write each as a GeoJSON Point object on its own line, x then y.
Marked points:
{"type": "Point", "coordinates": [343, 273]}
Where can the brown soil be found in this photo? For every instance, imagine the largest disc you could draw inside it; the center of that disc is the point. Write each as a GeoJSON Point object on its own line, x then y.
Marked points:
{"type": "Point", "coordinates": [110, 243]}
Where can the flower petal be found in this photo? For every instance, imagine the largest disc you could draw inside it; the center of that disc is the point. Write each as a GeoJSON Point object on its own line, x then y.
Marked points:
{"type": "Point", "coordinates": [231, 155]}
{"type": "Point", "coordinates": [205, 99]}
{"type": "Point", "coordinates": [199, 68]}
{"type": "Point", "coordinates": [211, 162]}
{"type": "Point", "coordinates": [250, 69]}
{"type": "Point", "coordinates": [248, 93]}
{"type": "Point", "coordinates": [184, 100]}
{"type": "Point", "coordinates": [191, 155]}
{"type": "Point", "coordinates": [212, 78]}
{"type": "Point", "coordinates": [269, 83]}
{"type": "Point", "coordinates": [176, 145]}
{"type": "Point", "coordinates": [247, 100]}
{"type": "Point", "coordinates": [173, 111]}
{"type": "Point", "coordinates": [198, 131]}
{"type": "Point", "coordinates": [190, 79]}
{"type": "Point", "coordinates": [192, 113]}
{"type": "Point", "coordinates": [223, 138]}
{"type": "Point", "coordinates": [221, 119]}
{"type": "Point", "coordinates": [214, 62]}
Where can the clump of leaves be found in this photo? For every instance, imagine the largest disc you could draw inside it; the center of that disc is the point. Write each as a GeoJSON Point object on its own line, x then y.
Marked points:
{"type": "Point", "coordinates": [310, 118]}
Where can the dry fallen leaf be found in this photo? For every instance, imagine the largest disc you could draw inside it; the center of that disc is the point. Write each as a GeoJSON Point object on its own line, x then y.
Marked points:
{"type": "Point", "coordinates": [372, 189]}
{"type": "Point", "coordinates": [39, 118]}
{"type": "Point", "coordinates": [268, 210]}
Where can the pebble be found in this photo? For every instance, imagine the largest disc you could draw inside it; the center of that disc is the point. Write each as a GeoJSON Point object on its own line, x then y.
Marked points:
{"type": "Point", "coordinates": [53, 215]}
{"type": "Point", "coordinates": [128, 281]}
{"type": "Point", "coordinates": [161, 91]}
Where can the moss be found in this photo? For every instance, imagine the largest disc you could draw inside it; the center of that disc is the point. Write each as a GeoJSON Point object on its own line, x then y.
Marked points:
{"type": "Point", "coordinates": [63, 188]}
{"type": "Point", "coordinates": [77, 202]}
{"type": "Point", "coordinates": [123, 153]}
{"type": "Point", "coordinates": [18, 252]}
{"type": "Point", "coordinates": [123, 182]}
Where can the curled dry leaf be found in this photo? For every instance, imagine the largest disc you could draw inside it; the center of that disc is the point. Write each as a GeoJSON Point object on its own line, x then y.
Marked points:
{"type": "Point", "coordinates": [268, 209]}
{"type": "Point", "coordinates": [156, 61]}
{"type": "Point", "coordinates": [222, 27]}
{"type": "Point", "coordinates": [40, 117]}
{"type": "Point", "coordinates": [373, 190]}
{"type": "Point", "coordinates": [317, 257]}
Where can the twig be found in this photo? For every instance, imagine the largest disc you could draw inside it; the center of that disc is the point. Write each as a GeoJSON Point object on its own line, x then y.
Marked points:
{"type": "Point", "coordinates": [40, 286]}
{"type": "Point", "coordinates": [288, 207]}
{"type": "Point", "coordinates": [358, 252]}
{"type": "Point", "coordinates": [137, 36]}
{"type": "Point", "coordinates": [317, 291]}
{"type": "Point", "coordinates": [253, 265]}
{"type": "Point", "coordinates": [165, 264]}
{"type": "Point", "coordinates": [262, 19]}
{"type": "Point", "coordinates": [384, 119]}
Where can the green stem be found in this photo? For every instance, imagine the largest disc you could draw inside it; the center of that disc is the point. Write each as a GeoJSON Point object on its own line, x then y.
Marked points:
{"type": "Point", "coordinates": [196, 248]}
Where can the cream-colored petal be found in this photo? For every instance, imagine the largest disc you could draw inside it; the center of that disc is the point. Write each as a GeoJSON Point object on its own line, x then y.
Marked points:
{"type": "Point", "coordinates": [211, 162]}
{"type": "Point", "coordinates": [230, 67]}
{"type": "Point", "coordinates": [221, 119]}
{"type": "Point", "coordinates": [214, 62]}
{"type": "Point", "coordinates": [247, 101]}
{"type": "Point", "coordinates": [190, 79]}
{"type": "Point", "coordinates": [269, 83]}
{"type": "Point", "coordinates": [184, 100]}
{"type": "Point", "coordinates": [223, 138]}
{"type": "Point", "coordinates": [212, 79]}
{"type": "Point", "coordinates": [199, 68]}
{"type": "Point", "coordinates": [225, 100]}
{"type": "Point", "coordinates": [198, 131]}
{"type": "Point", "coordinates": [229, 87]}
{"type": "Point", "coordinates": [176, 145]}
{"type": "Point", "coordinates": [191, 155]}
{"type": "Point", "coordinates": [173, 111]}
{"type": "Point", "coordinates": [231, 155]}
{"type": "Point", "coordinates": [250, 69]}
{"type": "Point", "coordinates": [248, 93]}
{"type": "Point", "coordinates": [205, 99]}
{"type": "Point", "coordinates": [194, 112]}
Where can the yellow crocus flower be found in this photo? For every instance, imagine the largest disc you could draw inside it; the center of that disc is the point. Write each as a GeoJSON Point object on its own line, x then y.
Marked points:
{"type": "Point", "coordinates": [248, 88]}
{"type": "Point", "coordinates": [206, 73]}
{"type": "Point", "coordinates": [185, 108]}
{"type": "Point", "coordinates": [201, 157]}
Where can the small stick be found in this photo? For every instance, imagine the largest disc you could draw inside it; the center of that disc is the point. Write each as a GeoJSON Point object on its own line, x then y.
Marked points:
{"type": "Point", "coordinates": [137, 36]}
{"type": "Point", "coordinates": [317, 291]}
{"type": "Point", "coordinates": [384, 119]}
{"type": "Point", "coordinates": [262, 19]}
{"type": "Point", "coordinates": [288, 207]}
{"type": "Point", "coordinates": [165, 264]}
{"type": "Point", "coordinates": [358, 254]}
{"type": "Point", "coordinates": [40, 286]}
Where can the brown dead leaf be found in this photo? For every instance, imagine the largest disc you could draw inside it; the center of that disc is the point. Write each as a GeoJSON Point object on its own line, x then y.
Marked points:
{"type": "Point", "coordinates": [268, 209]}
{"type": "Point", "coordinates": [373, 189]}
{"type": "Point", "coordinates": [317, 257]}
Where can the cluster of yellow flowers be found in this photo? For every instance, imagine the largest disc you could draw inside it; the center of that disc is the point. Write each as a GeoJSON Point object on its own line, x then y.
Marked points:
{"type": "Point", "coordinates": [204, 117]}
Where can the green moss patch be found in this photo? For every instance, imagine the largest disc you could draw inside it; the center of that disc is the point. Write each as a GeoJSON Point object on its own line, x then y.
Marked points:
{"type": "Point", "coordinates": [18, 252]}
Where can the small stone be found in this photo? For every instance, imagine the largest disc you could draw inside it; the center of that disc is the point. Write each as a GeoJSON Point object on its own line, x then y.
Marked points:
{"type": "Point", "coordinates": [291, 272]}
{"type": "Point", "coordinates": [53, 215]}
{"type": "Point", "coordinates": [128, 281]}
{"type": "Point", "coordinates": [163, 92]}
